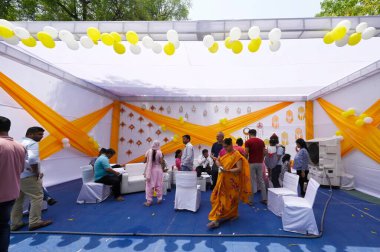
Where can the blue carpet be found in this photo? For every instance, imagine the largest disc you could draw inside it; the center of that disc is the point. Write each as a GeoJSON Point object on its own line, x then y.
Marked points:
{"type": "Point", "coordinates": [351, 224]}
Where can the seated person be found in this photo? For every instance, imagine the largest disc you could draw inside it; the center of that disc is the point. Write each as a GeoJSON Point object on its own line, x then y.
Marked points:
{"type": "Point", "coordinates": [106, 175]}
{"type": "Point", "coordinates": [101, 151]}
{"type": "Point", "coordinates": [203, 163]}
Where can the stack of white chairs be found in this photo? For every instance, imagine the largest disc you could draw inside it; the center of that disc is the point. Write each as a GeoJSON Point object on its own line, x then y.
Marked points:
{"type": "Point", "coordinates": [298, 215]}
{"type": "Point", "coordinates": [91, 192]}
{"type": "Point", "coordinates": [187, 194]}
{"type": "Point", "coordinates": [275, 195]}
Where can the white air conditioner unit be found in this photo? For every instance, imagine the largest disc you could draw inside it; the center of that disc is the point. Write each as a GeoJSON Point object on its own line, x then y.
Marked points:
{"type": "Point", "coordinates": [325, 160]}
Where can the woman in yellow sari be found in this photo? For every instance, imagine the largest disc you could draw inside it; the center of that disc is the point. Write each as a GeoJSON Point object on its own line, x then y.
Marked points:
{"type": "Point", "coordinates": [233, 184]}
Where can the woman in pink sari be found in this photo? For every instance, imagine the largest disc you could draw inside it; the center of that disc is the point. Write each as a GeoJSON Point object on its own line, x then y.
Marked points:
{"type": "Point", "coordinates": [153, 173]}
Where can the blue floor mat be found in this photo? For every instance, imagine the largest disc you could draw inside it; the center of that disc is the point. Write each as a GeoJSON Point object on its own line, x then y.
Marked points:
{"type": "Point", "coordinates": [350, 225]}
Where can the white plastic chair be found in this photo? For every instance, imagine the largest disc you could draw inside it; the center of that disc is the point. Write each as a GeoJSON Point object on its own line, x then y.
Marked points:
{"type": "Point", "coordinates": [275, 200]}
{"type": "Point", "coordinates": [91, 192]}
{"type": "Point", "coordinates": [298, 215]}
{"type": "Point", "coordinates": [187, 194]}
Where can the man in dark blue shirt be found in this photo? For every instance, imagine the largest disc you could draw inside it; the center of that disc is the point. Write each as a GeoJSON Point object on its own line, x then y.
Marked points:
{"type": "Point", "coordinates": [215, 150]}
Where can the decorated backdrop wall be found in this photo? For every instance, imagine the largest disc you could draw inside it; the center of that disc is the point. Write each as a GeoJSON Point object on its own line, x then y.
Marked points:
{"type": "Point", "coordinates": [138, 132]}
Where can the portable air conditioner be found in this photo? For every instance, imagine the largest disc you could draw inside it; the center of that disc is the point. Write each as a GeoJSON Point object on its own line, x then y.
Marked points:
{"type": "Point", "coordinates": [325, 160]}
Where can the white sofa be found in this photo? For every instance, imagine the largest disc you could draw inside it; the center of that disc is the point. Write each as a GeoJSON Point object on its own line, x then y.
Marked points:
{"type": "Point", "coordinates": [133, 178]}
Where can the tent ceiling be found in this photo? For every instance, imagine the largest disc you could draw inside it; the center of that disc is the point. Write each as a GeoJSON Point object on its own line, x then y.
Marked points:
{"type": "Point", "coordinates": [292, 28]}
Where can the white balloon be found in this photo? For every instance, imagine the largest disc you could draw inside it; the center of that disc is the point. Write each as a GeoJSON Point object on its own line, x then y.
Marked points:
{"type": "Point", "coordinates": [346, 23]}
{"type": "Point", "coordinates": [274, 46]}
{"type": "Point", "coordinates": [147, 42]}
{"type": "Point", "coordinates": [254, 32]}
{"type": "Point", "coordinates": [157, 48]}
{"type": "Point", "coordinates": [368, 120]}
{"type": "Point", "coordinates": [274, 34]}
{"type": "Point", "coordinates": [361, 27]}
{"type": "Point", "coordinates": [86, 42]}
{"type": "Point", "coordinates": [135, 49]}
{"type": "Point", "coordinates": [208, 41]}
{"type": "Point", "coordinates": [342, 42]}
{"type": "Point", "coordinates": [368, 33]}
{"type": "Point", "coordinates": [72, 44]}
{"type": "Point", "coordinates": [52, 31]}
{"type": "Point", "coordinates": [235, 33]}
{"type": "Point", "coordinates": [21, 32]}
{"type": "Point", "coordinates": [65, 35]}
{"type": "Point", "coordinates": [176, 44]}
{"type": "Point", "coordinates": [65, 140]}
{"type": "Point", "coordinates": [12, 41]}
{"type": "Point", "coordinates": [172, 35]}
{"type": "Point", "coordinates": [6, 23]}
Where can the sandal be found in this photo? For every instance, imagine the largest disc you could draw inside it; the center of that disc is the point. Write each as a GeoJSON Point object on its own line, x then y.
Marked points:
{"type": "Point", "coordinates": [213, 224]}
{"type": "Point", "coordinates": [148, 204]}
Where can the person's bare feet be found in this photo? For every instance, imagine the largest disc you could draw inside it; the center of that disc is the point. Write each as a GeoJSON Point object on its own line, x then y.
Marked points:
{"type": "Point", "coordinates": [120, 198]}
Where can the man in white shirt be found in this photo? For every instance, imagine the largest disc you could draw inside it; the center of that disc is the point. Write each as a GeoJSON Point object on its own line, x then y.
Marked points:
{"type": "Point", "coordinates": [187, 159]}
{"type": "Point", "coordinates": [31, 184]}
{"type": "Point", "coordinates": [203, 163]}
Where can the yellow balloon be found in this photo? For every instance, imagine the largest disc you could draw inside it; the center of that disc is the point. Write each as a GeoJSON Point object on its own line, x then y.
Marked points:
{"type": "Point", "coordinates": [345, 114]}
{"type": "Point", "coordinates": [119, 48]}
{"type": "Point", "coordinates": [254, 45]}
{"type": "Point", "coordinates": [237, 46]}
{"type": "Point", "coordinates": [6, 32]}
{"type": "Point", "coordinates": [46, 39]}
{"type": "Point", "coordinates": [31, 42]}
{"type": "Point", "coordinates": [107, 39]}
{"type": "Point", "coordinates": [228, 43]}
{"type": "Point", "coordinates": [169, 48]}
{"type": "Point", "coordinates": [328, 38]}
{"type": "Point", "coordinates": [359, 122]}
{"type": "Point", "coordinates": [339, 32]}
{"type": "Point", "coordinates": [354, 39]}
{"type": "Point", "coordinates": [351, 112]}
{"type": "Point", "coordinates": [214, 48]}
{"type": "Point", "coordinates": [93, 33]}
{"type": "Point", "coordinates": [132, 37]}
{"type": "Point", "coordinates": [362, 116]}
{"type": "Point", "coordinates": [116, 36]}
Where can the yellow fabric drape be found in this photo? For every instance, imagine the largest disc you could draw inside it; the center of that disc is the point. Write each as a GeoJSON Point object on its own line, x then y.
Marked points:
{"type": "Point", "coordinates": [114, 141]}
{"type": "Point", "coordinates": [374, 112]}
{"type": "Point", "coordinates": [204, 135]}
{"type": "Point", "coordinates": [51, 145]}
{"type": "Point", "coordinates": [48, 118]}
{"type": "Point", "coordinates": [309, 118]}
{"type": "Point", "coordinates": [365, 138]}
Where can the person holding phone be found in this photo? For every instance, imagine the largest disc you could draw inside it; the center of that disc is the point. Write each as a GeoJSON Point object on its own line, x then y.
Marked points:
{"type": "Point", "coordinates": [233, 185]}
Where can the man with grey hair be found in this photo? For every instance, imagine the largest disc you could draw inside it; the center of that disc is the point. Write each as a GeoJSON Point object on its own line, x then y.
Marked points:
{"type": "Point", "coordinates": [215, 150]}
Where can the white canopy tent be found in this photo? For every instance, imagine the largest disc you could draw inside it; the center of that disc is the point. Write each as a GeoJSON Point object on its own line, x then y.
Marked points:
{"type": "Point", "coordinates": [303, 69]}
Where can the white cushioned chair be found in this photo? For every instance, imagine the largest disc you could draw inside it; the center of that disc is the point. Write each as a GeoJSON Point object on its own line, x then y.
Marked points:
{"type": "Point", "coordinates": [290, 186]}
{"type": "Point", "coordinates": [91, 192]}
{"type": "Point", "coordinates": [133, 178]}
{"type": "Point", "coordinates": [298, 215]}
{"type": "Point", "coordinates": [187, 194]}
